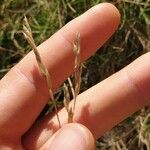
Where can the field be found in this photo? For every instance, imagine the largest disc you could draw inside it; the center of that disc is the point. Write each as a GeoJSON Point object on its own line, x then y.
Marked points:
{"type": "Point", "coordinates": [131, 40]}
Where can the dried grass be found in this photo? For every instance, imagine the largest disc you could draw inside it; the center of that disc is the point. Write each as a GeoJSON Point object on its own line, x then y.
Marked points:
{"type": "Point", "coordinates": [43, 69]}
{"type": "Point", "coordinates": [77, 81]}
{"type": "Point", "coordinates": [46, 76]}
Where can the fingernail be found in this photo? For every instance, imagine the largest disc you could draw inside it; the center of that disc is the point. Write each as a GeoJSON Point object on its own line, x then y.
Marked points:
{"type": "Point", "coordinates": [69, 138]}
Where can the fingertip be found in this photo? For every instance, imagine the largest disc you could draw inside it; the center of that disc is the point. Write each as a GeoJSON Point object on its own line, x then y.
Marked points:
{"type": "Point", "coordinates": [72, 136]}
{"type": "Point", "coordinates": [110, 11]}
{"type": "Point", "coordinates": [113, 9]}
{"type": "Point", "coordinates": [95, 26]}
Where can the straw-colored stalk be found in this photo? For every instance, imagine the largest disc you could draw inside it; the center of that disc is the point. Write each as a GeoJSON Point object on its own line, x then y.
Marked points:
{"type": "Point", "coordinates": [43, 69]}
{"type": "Point", "coordinates": [66, 103]}
{"type": "Point", "coordinates": [77, 81]}
{"type": "Point", "coordinates": [77, 69]}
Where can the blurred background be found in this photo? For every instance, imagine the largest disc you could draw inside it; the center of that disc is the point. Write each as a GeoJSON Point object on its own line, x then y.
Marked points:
{"type": "Point", "coordinates": [131, 40]}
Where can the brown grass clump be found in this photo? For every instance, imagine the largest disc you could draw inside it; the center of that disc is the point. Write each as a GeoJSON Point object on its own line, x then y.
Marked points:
{"type": "Point", "coordinates": [144, 132]}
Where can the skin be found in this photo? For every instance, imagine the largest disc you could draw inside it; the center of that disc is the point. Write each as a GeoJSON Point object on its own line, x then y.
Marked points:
{"type": "Point", "coordinates": [23, 94]}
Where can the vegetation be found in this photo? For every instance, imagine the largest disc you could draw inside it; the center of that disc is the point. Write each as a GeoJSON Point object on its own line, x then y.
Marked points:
{"type": "Point", "coordinates": [130, 41]}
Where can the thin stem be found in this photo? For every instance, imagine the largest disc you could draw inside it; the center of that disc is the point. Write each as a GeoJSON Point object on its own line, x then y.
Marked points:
{"type": "Point", "coordinates": [66, 103]}
{"type": "Point", "coordinates": [71, 87]}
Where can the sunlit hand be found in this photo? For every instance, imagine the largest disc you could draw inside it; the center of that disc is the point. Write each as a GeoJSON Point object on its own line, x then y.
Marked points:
{"type": "Point", "coordinates": [23, 94]}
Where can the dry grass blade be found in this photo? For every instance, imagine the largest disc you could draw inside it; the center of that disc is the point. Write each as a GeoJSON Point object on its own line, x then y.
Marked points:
{"type": "Point", "coordinates": [44, 71]}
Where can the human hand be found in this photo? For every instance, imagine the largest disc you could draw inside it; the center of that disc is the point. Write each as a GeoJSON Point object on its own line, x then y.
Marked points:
{"type": "Point", "coordinates": [23, 94]}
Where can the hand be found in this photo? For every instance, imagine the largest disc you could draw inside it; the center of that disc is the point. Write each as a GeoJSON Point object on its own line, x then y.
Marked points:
{"type": "Point", "coordinates": [23, 94]}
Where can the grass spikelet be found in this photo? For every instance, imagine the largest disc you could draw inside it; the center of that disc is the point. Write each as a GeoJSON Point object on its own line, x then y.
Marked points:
{"type": "Point", "coordinates": [77, 68]}
{"type": "Point", "coordinates": [77, 81]}
{"type": "Point", "coordinates": [43, 69]}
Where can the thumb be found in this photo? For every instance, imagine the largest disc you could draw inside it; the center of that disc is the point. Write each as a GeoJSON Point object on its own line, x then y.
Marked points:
{"type": "Point", "coordinates": [72, 136]}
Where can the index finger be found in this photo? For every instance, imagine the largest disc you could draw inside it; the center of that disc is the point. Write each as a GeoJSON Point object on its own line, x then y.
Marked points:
{"type": "Point", "coordinates": [23, 92]}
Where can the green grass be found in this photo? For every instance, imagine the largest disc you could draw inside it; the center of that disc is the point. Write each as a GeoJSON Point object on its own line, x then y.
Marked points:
{"type": "Point", "coordinates": [47, 16]}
